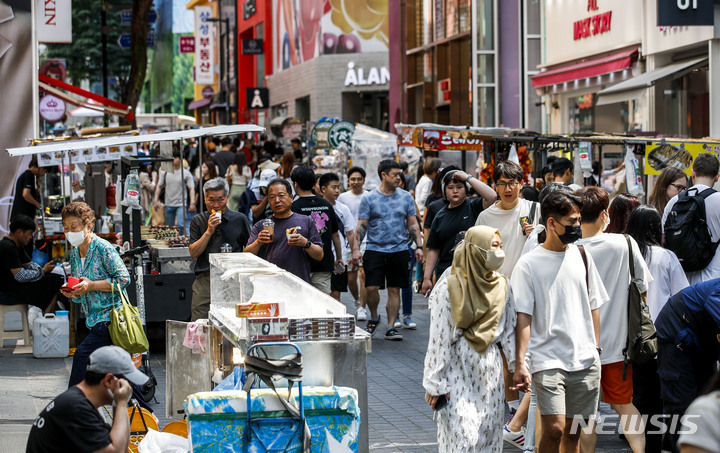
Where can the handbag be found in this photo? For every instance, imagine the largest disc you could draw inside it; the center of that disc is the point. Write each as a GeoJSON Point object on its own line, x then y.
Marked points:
{"type": "Point", "coordinates": [126, 329]}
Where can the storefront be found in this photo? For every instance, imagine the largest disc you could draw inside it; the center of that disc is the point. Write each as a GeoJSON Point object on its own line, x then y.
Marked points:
{"type": "Point", "coordinates": [590, 46]}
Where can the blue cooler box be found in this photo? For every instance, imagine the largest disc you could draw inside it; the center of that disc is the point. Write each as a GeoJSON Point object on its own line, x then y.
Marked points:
{"type": "Point", "coordinates": [217, 421]}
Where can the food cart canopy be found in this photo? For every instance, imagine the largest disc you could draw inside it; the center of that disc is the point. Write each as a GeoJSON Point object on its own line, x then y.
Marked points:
{"type": "Point", "coordinates": [363, 132]}
{"type": "Point", "coordinates": [115, 140]}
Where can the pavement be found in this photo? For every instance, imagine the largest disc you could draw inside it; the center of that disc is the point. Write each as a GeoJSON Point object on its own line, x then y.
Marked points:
{"type": "Point", "coordinates": [399, 418]}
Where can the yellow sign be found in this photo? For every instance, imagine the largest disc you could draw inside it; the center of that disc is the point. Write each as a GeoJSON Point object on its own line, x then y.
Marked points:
{"type": "Point", "coordinates": [661, 155]}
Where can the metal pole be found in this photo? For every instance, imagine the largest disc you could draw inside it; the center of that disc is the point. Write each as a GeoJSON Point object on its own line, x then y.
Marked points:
{"type": "Point", "coordinates": [35, 68]}
{"type": "Point", "coordinates": [201, 196]}
{"type": "Point", "coordinates": [103, 44]}
{"type": "Point", "coordinates": [713, 74]}
{"type": "Point", "coordinates": [227, 71]}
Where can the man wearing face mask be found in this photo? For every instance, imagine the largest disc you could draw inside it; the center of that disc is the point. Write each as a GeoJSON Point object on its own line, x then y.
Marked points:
{"type": "Point", "coordinates": [611, 255]}
{"type": "Point", "coordinates": [558, 294]}
{"type": "Point", "coordinates": [71, 422]}
{"type": "Point", "coordinates": [98, 266]}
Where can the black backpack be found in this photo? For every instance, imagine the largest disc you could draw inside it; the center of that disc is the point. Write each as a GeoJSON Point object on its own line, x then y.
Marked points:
{"type": "Point", "coordinates": [687, 233]}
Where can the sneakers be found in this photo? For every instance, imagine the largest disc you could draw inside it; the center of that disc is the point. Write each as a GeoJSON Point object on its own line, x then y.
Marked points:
{"type": "Point", "coordinates": [417, 286]}
{"type": "Point", "coordinates": [357, 303]}
{"type": "Point", "coordinates": [393, 334]}
{"type": "Point", "coordinates": [408, 323]}
{"type": "Point", "coordinates": [397, 324]}
{"type": "Point", "coordinates": [513, 438]}
{"type": "Point", "coordinates": [361, 314]}
{"type": "Point", "coordinates": [372, 326]}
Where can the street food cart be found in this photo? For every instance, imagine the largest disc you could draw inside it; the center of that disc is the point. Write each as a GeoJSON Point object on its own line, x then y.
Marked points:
{"type": "Point", "coordinates": [333, 348]}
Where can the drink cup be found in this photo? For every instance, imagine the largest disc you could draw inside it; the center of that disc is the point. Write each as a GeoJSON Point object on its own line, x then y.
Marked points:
{"type": "Point", "coordinates": [269, 226]}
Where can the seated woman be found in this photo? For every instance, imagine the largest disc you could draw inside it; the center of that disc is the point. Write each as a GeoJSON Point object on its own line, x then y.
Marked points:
{"type": "Point", "coordinates": [98, 265]}
{"type": "Point", "coordinates": [21, 280]}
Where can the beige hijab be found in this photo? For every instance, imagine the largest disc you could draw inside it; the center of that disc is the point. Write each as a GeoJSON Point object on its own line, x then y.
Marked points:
{"type": "Point", "coordinates": [477, 296]}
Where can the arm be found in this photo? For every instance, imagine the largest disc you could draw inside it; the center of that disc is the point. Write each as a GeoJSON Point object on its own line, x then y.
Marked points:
{"type": "Point", "coordinates": [596, 325]}
{"type": "Point", "coordinates": [120, 431]}
{"type": "Point", "coordinates": [415, 236]}
{"type": "Point", "coordinates": [354, 247]}
{"type": "Point", "coordinates": [158, 187]}
{"type": "Point", "coordinates": [27, 196]}
{"type": "Point", "coordinates": [191, 186]}
{"type": "Point", "coordinates": [258, 209]}
{"type": "Point", "coordinates": [486, 192]}
{"type": "Point", "coordinates": [263, 238]}
{"type": "Point", "coordinates": [31, 273]}
{"type": "Point", "coordinates": [314, 251]}
{"type": "Point", "coordinates": [442, 331]}
{"type": "Point", "coordinates": [430, 262]}
{"type": "Point", "coordinates": [338, 248]}
{"type": "Point", "coordinates": [361, 230]}
{"type": "Point", "coordinates": [198, 247]}
{"type": "Point", "coordinates": [684, 448]}
{"type": "Point", "coordinates": [522, 377]}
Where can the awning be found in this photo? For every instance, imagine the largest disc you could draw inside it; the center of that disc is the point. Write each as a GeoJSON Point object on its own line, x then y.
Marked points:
{"type": "Point", "coordinates": [68, 145]}
{"type": "Point", "coordinates": [197, 103]}
{"type": "Point", "coordinates": [635, 87]}
{"type": "Point", "coordinates": [595, 67]}
{"type": "Point", "coordinates": [53, 86]}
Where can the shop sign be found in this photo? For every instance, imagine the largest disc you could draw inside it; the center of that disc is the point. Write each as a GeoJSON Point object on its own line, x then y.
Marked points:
{"type": "Point", "coordinates": [319, 134]}
{"type": "Point", "coordinates": [186, 44]}
{"type": "Point", "coordinates": [52, 108]}
{"type": "Point", "coordinates": [685, 12]}
{"type": "Point", "coordinates": [341, 132]}
{"type": "Point", "coordinates": [252, 46]}
{"type": "Point", "coordinates": [207, 92]}
{"type": "Point", "coordinates": [54, 20]}
{"type": "Point", "coordinates": [452, 140]}
{"type": "Point", "coordinates": [375, 76]}
{"type": "Point", "coordinates": [204, 47]}
{"type": "Point", "coordinates": [409, 136]}
{"type": "Point", "coordinates": [661, 155]}
{"type": "Point", "coordinates": [257, 98]}
{"type": "Point", "coordinates": [591, 26]}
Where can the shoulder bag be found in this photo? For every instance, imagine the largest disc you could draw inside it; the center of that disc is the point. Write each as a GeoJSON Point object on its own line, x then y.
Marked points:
{"type": "Point", "coordinates": [126, 329]}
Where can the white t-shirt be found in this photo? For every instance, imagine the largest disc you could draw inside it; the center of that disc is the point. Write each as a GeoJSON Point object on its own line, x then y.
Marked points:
{"type": "Point", "coordinates": [712, 214]}
{"type": "Point", "coordinates": [507, 221]}
{"type": "Point", "coordinates": [550, 287]}
{"type": "Point", "coordinates": [610, 254]}
{"type": "Point", "coordinates": [422, 190]}
{"type": "Point", "coordinates": [352, 201]}
{"type": "Point", "coordinates": [668, 279]}
{"type": "Point", "coordinates": [349, 224]}
{"type": "Point", "coordinates": [704, 412]}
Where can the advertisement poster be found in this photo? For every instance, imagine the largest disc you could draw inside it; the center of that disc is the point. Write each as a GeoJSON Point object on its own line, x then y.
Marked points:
{"type": "Point", "coordinates": [306, 29]}
{"type": "Point", "coordinates": [435, 140]}
{"type": "Point", "coordinates": [660, 155]}
{"type": "Point", "coordinates": [15, 97]}
{"type": "Point", "coordinates": [204, 46]}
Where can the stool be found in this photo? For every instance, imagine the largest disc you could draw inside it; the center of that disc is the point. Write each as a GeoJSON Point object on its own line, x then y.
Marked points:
{"type": "Point", "coordinates": [23, 334]}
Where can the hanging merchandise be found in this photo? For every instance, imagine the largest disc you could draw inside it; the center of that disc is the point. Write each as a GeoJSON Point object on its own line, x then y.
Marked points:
{"type": "Point", "coordinates": [131, 196]}
{"type": "Point", "coordinates": [513, 156]}
{"type": "Point", "coordinates": [585, 157]}
{"type": "Point", "coordinates": [632, 173]}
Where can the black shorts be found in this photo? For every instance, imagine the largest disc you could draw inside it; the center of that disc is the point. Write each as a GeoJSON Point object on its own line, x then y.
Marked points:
{"type": "Point", "coordinates": [391, 267]}
{"type": "Point", "coordinates": [339, 282]}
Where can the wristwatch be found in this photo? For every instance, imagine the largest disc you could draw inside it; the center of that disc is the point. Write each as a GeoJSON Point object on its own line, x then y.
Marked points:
{"type": "Point", "coordinates": [599, 350]}
{"type": "Point", "coordinates": [307, 245]}
{"type": "Point", "coordinates": [469, 177]}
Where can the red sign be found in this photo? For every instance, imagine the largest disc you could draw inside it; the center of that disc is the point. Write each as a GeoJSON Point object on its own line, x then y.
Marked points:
{"type": "Point", "coordinates": [452, 140]}
{"type": "Point", "coordinates": [591, 26]}
{"type": "Point", "coordinates": [208, 92]}
{"type": "Point", "coordinates": [186, 44]}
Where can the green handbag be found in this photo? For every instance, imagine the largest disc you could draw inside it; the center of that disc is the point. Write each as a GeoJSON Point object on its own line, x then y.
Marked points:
{"type": "Point", "coordinates": [126, 329]}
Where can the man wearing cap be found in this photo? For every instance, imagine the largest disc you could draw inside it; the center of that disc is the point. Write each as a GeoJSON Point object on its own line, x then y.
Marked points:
{"type": "Point", "coordinates": [71, 422]}
{"type": "Point", "coordinates": [174, 192]}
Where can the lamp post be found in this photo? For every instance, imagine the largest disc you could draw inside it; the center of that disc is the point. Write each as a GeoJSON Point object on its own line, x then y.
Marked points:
{"type": "Point", "coordinates": [225, 65]}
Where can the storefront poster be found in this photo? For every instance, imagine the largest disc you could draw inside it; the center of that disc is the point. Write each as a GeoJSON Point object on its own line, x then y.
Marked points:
{"type": "Point", "coordinates": [661, 155]}
{"type": "Point", "coordinates": [204, 46]}
{"type": "Point", "coordinates": [439, 140]}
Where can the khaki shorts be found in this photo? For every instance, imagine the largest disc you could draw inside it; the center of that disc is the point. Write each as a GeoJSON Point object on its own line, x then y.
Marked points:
{"type": "Point", "coordinates": [568, 392]}
{"type": "Point", "coordinates": [321, 281]}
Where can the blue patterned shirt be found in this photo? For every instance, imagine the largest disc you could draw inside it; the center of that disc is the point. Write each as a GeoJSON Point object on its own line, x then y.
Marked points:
{"type": "Point", "coordinates": [101, 262]}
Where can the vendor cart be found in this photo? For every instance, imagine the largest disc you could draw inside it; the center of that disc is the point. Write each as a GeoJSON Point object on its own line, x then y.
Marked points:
{"type": "Point", "coordinates": [334, 349]}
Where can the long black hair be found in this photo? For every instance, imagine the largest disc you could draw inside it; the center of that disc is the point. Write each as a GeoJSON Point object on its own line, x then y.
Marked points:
{"type": "Point", "coordinates": [645, 226]}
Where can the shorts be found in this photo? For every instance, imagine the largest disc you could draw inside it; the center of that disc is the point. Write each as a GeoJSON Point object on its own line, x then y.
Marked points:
{"type": "Point", "coordinates": [614, 389]}
{"type": "Point", "coordinates": [391, 267]}
{"type": "Point", "coordinates": [321, 281]}
{"type": "Point", "coordinates": [339, 282]}
{"type": "Point", "coordinates": [572, 393]}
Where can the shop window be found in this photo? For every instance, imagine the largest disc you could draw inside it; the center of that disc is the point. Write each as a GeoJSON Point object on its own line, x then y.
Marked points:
{"type": "Point", "coordinates": [485, 68]}
{"type": "Point", "coordinates": [486, 106]}
{"type": "Point", "coordinates": [581, 113]}
{"type": "Point", "coordinates": [485, 25]}
{"type": "Point", "coordinates": [302, 109]}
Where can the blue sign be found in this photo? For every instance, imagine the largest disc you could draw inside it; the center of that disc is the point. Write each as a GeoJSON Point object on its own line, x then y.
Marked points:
{"type": "Point", "coordinates": [152, 17]}
{"type": "Point", "coordinates": [126, 17]}
{"type": "Point", "coordinates": [124, 40]}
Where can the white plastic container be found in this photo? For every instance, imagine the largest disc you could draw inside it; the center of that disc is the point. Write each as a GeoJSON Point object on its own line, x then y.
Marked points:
{"type": "Point", "coordinates": [51, 336]}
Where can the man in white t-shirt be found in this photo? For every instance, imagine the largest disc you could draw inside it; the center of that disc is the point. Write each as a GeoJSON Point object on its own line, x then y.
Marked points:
{"type": "Point", "coordinates": [351, 199]}
{"type": "Point", "coordinates": [612, 257]}
{"type": "Point", "coordinates": [513, 216]}
{"type": "Point", "coordinates": [330, 188]}
{"type": "Point", "coordinates": [704, 176]}
{"type": "Point", "coordinates": [562, 169]}
{"type": "Point", "coordinates": [558, 293]}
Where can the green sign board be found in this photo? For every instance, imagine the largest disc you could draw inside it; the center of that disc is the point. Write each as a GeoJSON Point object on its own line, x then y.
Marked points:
{"type": "Point", "coordinates": [341, 132]}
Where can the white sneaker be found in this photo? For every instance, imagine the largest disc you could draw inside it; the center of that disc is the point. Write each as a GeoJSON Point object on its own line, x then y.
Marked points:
{"type": "Point", "coordinates": [362, 314]}
{"type": "Point", "coordinates": [514, 438]}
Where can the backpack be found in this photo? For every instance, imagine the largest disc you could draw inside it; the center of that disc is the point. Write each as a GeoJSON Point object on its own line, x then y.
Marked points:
{"type": "Point", "coordinates": [687, 233]}
{"type": "Point", "coordinates": [641, 345]}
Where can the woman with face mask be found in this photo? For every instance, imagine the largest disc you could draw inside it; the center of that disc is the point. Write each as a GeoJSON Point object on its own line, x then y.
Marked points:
{"type": "Point", "coordinates": [472, 315]}
{"type": "Point", "coordinates": [98, 265]}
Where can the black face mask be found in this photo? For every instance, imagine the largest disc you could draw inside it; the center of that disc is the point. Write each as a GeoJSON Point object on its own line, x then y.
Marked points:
{"type": "Point", "coordinates": [572, 233]}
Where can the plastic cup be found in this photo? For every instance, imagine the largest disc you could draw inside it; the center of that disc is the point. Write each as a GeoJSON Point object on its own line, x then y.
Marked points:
{"type": "Point", "coordinates": [269, 226]}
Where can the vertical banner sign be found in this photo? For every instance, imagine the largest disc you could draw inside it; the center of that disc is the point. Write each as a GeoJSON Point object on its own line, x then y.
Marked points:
{"type": "Point", "coordinates": [204, 47]}
{"type": "Point", "coordinates": [54, 20]}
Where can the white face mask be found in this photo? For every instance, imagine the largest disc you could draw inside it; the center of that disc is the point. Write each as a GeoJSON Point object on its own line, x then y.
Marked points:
{"type": "Point", "coordinates": [75, 238]}
{"type": "Point", "coordinates": [494, 259]}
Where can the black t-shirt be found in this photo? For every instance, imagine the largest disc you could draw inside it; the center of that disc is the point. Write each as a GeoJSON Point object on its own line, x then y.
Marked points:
{"type": "Point", "coordinates": [11, 257]}
{"type": "Point", "coordinates": [445, 229]}
{"type": "Point", "coordinates": [326, 223]}
{"type": "Point", "coordinates": [234, 230]}
{"type": "Point", "coordinates": [20, 206]}
{"type": "Point", "coordinates": [69, 423]}
{"type": "Point", "coordinates": [432, 210]}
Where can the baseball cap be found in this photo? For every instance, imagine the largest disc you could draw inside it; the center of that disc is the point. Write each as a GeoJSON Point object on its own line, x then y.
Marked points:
{"type": "Point", "coordinates": [115, 360]}
{"type": "Point", "coordinates": [266, 176]}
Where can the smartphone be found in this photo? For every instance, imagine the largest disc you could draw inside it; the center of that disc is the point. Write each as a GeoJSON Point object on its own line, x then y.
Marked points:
{"type": "Point", "coordinates": [441, 402]}
{"type": "Point", "coordinates": [523, 221]}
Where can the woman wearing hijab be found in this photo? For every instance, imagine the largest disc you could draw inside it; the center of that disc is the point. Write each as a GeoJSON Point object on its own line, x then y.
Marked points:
{"type": "Point", "coordinates": [472, 315]}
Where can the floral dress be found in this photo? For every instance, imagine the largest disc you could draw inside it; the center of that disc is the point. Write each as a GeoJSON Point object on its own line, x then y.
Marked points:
{"type": "Point", "coordinates": [473, 419]}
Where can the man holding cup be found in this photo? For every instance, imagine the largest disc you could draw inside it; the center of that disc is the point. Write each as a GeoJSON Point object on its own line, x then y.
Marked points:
{"type": "Point", "coordinates": [294, 238]}
{"type": "Point", "coordinates": [212, 231]}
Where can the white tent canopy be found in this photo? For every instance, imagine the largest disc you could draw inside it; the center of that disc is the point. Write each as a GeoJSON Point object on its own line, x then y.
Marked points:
{"type": "Point", "coordinates": [115, 140]}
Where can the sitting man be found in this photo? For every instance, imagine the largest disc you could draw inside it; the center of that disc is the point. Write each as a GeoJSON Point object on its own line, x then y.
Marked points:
{"type": "Point", "coordinates": [21, 280]}
{"type": "Point", "coordinates": [71, 422]}
{"type": "Point", "coordinates": [294, 240]}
